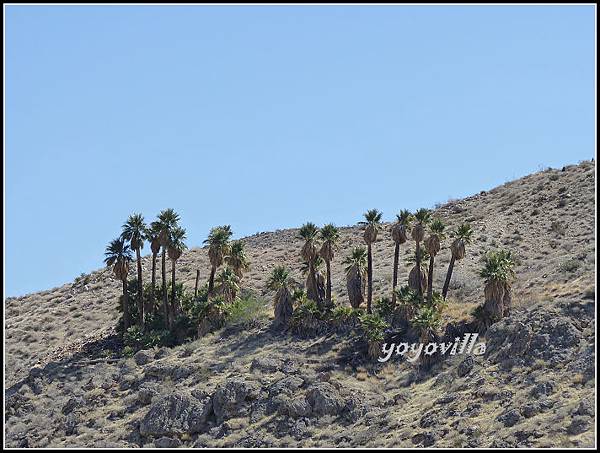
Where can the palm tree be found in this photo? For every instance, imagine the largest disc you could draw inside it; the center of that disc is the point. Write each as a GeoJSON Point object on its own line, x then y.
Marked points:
{"type": "Point", "coordinates": [153, 236]}
{"type": "Point", "coordinates": [498, 272]}
{"type": "Point", "coordinates": [422, 217]}
{"type": "Point", "coordinates": [417, 277]}
{"type": "Point", "coordinates": [356, 264]}
{"type": "Point", "coordinates": [175, 249]}
{"type": "Point", "coordinates": [399, 231]}
{"type": "Point", "coordinates": [314, 278]}
{"type": "Point", "coordinates": [134, 232]}
{"type": "Point", "coordinates": [432, 245]}
{"type": "Point", "coordinates": [237, 259]}
{"type": "Point", "coordinates": [309, 254]}
{"type": "Point", "coordinates": [118, 255]}
{"type": "Point", "coordinates": [330, 236]}
{"type": "Point", "coordinates": [372, 225]}
{"type": "Point", "coordinates": [218, 249]}
{"type": "Point", "coordinates": [167, 220]}
{"type": "Point", "coordinates": [279, 282]}
{"type": "Point", "coordinates": [462, 237]}
{"type": "Point", "coordinates": [228, 283]}
{"type": "Point", "coordinates": [427, 321]}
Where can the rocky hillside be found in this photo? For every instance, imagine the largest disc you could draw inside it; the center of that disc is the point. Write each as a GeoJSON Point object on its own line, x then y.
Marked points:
{"type": "Point", "coordinates": [261, 387]}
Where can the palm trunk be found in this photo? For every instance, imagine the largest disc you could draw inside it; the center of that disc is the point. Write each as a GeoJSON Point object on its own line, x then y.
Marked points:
{"type": "Point", "coordinates": [140, 294]}
{"type": "Point", "coordinates": [153, 295]}
{"type": "Point", "coordinates": [313, 291]}
{"type": "Point", "coordinates": [430, 279]}
{"type": "Point", "coordinates": [369, 278]}
{"type": "Point", "coordinates": [211, 280]}
{"type": "Point", "coordinates": [173, 296]}
{"type": "Point", "coordinates": [125, 305]}
{"type": "Point", "coordinates": [328, 290]}
{"type": "Point", "coordinates": [418, 259]}
{"type": "Point", "coordinates": [164, 287]}
{"type": "Point", "coordinates": [395, 277]}
{"type": "Point", "coordinates": [196, 285]}
{"type": "Point", "coordinates": [448, 277]}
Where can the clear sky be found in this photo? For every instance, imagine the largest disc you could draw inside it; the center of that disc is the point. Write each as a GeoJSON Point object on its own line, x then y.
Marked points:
{"type": "Point", "coordinates": [267, 117]}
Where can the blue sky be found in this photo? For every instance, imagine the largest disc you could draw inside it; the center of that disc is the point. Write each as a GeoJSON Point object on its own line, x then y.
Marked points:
{"type": "Point", "coordinates": [267, 117]}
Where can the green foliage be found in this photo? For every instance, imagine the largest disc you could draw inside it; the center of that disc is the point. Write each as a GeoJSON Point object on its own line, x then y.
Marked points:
{"type": "Point", "coordinates": [135, 339]}
{"type": "Point", "coordinates": [464, 232]}
{"type": "Point", "coordinates": [373, 326]}
{"type": "Point", "coordinates": [498, 266]}
{"type": "Point", "coordinates": [437, 227]}
{"type": "Point", "coordinates": [372, 217]}
{"type": "Point", "coordinates": [342, 313]}
{"type": "Point", "coordinates": [404, 217]}
{"type": "Point", "coordinates": [383, 306]}
{"type": "Point", "coordinates": [307, 309]}
{"type": "Point", "coordinates": [279, 278]}
{"type": "Point", "coordinates": [308, 231]}
{"type": "Point", "coordinates": [423, 216]}
{"type": "Point", "coordinates": [246, 311]}
{"type": "Point", "coordinates": [427, 317]}
{"type": "Point", "coordinates": [358, 257]}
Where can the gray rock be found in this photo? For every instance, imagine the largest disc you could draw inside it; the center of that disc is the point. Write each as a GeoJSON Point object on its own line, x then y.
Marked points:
{"type": "Point", "coordinates": [143, 357]}
{"type": "Point", "coordinates": [167, 442]}
{"type": "Point", "coordinates": [530, 409]}
{"type": "Point", "coordinates": [325, 399]}
{"type": "Point", "coordinates": [266, 365]}
{"type": "Point", "coordinates": [543, 389]}
{"type": "Point", "coordinates": [287, 385]}
{"type": "Point", "coordinates": [230, 398]}
{"type": "Point", "coordinates": [510, 417]}
{"type": "Point", "coordinates": [296, 408]}
{"type": "Point", "coordinates": [586, 407]}
{"type": "Point", "coordinates": [580, 424]}
{"type": "Point", "coordinates": [72, 404]}
{"type": "Point", "coordinates": [465, 366]}
{"type": "Point", "coordinates": [146, 392]}
{"type": "Point", "coordinates": [175, 414]}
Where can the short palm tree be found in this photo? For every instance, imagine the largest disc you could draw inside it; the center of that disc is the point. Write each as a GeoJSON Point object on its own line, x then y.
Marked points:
{"type": "Point", "coordinates": [422, 217]}
{"type": "Point", "coordinates": [134, 232]}
{"type": "Point", "coordinates": [228, 284]}
{"type": "Point", "coordinates": [356, 265]}
{"type": "Point", "coordinates": [118, 255]}
{"type": "Point", "coordinates": [462, 237]}
{"type": "Point", "coordinates": [218, 249]}
{"type": "Point", "coordinates": [237, 259]}
{"type": "Point", "coordinates": [153, 236]}
{"type": "Point", "coordinates": [433, 245]}
{"type": "Point", "coordinates": [372, 225]}
{"type": "Point", "coordinates": [427, 321]}
{"type": "Point", "coordinates": [330, 236]}
{"type": "Point", "coordinates": [175, 249]}
{"type": "Point", "coordinates": [279, 282]}
{"type": "Point", "coordinates": [498, 272]}
{"type": "Point", "coordinates": [309, 253]}
{"type": "Point", "coordinates": [167, 221]}
{"type": "Point", "coordinates": [399, 233]}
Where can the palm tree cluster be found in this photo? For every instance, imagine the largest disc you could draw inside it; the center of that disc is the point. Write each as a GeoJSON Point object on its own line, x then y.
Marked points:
{"type": "Point", "coordinates": [231, 254]}
{"type": "Point", "coordinates": [164, 234]}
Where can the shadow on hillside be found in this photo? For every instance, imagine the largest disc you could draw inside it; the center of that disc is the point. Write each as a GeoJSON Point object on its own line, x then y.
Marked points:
{"type": "Point", "coordinates": [61, 369]}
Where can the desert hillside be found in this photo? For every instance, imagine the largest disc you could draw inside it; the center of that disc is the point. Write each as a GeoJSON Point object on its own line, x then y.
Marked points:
{"type": "Point", "coordinates": [260, 387]}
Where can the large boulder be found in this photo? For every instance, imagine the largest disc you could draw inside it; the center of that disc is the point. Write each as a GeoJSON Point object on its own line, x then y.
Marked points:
{"type": "Point", "coordinates": [325, 399]}
{"type": "Point", "coordinates": [232, 398]}
{"type": "Point", "coordinates": [175, 414]}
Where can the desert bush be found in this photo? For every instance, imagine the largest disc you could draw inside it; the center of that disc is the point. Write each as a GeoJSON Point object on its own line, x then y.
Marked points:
{"type": "Point", "coordinates": [373, 326]}
{"type": "Point", "coordinates": [384, 307]}
{"type": "Point", "coordinates": [246, 311]}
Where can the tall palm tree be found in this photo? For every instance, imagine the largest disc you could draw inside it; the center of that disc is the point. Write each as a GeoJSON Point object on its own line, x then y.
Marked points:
{"type": "Point", "coordinates": [309, 254]}
{"type": "Point", "coordinates": [118, 255]}
{"type": "Point", "coordinates": [167, 220]}
{"type": "Point", "coordinates": [433, 245]}
{"type": "Point", "coordinates": [279, 282]}
{"type": "Point", "coordinates": [218, 249]}
{"type": "Point", "coordinates": [153, 236]}
{"type": "Point", "coordinates": [134, 232]}
{"type": "Point", "coordinates": [174, 250]}
{"type": "Point", "coordinates": [228, 283]}
{"type": "Point", "coordinates": [372, 225]}
{"type": "Point", "coordinates": [330, 236]}
{"type": "Point", "coordinates": [498, 272]}
{"type": "Point", "coordinates": [399, 232]}
{"type": "Point", "coordinates": [237, 259]}
{"type": "Point", "coordinates": [422, 217]}
{"type": "Point", "coordinates": [462, 237]}
{"type": "Point", "coordinates": [356, 264]}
